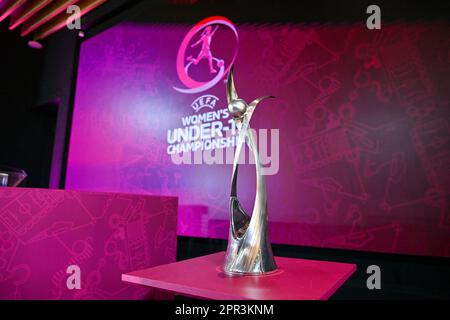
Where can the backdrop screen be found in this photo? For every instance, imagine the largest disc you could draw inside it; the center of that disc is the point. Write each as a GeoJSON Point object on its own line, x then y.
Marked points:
{"type": "Point", "coordinates": [357, 146]}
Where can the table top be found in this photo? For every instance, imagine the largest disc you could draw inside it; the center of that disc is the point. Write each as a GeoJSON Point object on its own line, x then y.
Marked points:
{"type": "Point", "coordinates": [296, 279]}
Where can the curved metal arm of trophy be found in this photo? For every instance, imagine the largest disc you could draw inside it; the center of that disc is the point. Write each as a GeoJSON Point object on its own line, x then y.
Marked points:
{"type": "Point", "coordinates": [231, 89]}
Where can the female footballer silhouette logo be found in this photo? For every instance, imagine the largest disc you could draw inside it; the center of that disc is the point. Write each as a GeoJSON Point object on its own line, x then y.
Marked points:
{"type": "Point", "coordinates": [205, 53]}
{"type": "Point", "coordinates": [217, 66]}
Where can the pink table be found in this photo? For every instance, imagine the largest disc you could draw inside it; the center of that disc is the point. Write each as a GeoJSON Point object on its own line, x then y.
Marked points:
{"type": "Point", "coordinates": [296, 279]}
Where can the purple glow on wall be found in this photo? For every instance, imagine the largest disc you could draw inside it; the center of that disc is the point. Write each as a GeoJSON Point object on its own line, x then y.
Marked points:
{"type": "Point", "coordinates": [363, 119]}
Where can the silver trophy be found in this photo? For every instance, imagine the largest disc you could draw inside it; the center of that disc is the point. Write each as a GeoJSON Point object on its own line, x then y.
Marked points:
{"type": "Point", "coordinates": [249, 251]}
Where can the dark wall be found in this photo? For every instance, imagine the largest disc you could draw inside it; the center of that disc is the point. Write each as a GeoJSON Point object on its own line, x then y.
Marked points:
{"type": "Point", "coordinates": [26, 129]}
{"type": "Point", "coordinates": [58, 76]}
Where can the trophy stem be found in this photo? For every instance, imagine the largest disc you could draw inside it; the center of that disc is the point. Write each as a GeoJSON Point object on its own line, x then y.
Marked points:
{"type": "Point", "coordinates": [249, 250]}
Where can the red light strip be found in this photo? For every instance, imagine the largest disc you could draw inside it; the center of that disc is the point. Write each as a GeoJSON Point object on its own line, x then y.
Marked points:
{"type": "Point", "coordinates": [9, 8]}
{"type": "Point", "coordinates": [26, 11]}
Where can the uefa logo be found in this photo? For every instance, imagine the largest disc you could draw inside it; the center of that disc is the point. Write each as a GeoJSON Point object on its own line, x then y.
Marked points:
{"type": "Point", "coordinates": [197, 47]}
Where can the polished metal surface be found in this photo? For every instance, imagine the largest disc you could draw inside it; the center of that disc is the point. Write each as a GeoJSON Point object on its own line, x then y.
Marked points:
{"type": "Point", "coordinates": [3, 180]}
{"type": "Point", "coordinates": [249, 250]}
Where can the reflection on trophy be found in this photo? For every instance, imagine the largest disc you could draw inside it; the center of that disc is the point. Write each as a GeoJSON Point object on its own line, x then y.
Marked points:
{"type": "Point", "coordinates": [249, 250]}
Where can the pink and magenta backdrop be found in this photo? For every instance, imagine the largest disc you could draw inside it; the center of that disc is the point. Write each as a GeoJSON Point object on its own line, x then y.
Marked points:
{"type": "Point", "coordinates": [363, 118]}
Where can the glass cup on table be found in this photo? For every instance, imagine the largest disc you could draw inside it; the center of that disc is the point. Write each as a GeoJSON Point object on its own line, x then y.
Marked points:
{"type": "Point", "coordinates": [3, 179]}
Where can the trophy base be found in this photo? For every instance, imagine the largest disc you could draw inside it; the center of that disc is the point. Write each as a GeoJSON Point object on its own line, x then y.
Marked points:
{"type": "Point", "coordinates": [249, 274]}
{"type": "Point", "coordinates": [203, 277]}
